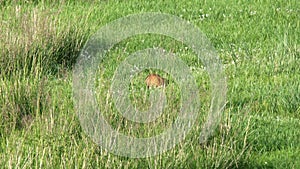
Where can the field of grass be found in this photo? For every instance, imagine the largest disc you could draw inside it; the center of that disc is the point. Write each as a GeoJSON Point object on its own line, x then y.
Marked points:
{"type": "Point", "coordinates": [258, 43]}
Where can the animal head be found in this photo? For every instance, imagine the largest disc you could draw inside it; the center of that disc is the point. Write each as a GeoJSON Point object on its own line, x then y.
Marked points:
{"type": "Point", "coordinates": [154, 80]}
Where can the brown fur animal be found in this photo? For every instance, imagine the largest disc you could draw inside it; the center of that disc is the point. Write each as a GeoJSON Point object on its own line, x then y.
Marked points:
{"type": "Point", "coordinates": [154, 80]}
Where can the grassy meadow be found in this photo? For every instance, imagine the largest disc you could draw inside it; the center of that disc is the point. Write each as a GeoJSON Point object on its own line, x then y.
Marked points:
{"type": "Point", "coordinates": [258, 43]}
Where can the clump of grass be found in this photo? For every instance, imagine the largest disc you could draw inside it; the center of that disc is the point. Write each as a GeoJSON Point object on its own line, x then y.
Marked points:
{"type": "Point", "coordinates": [22, 100]}
{"type": "Point", "coordinates": [34, 46]}
{"type": "Point", "coordinates": [36, 37]}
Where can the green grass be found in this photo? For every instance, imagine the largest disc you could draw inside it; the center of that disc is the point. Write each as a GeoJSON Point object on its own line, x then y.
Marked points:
{"type": "Point", "coordinates": [258, 43]}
